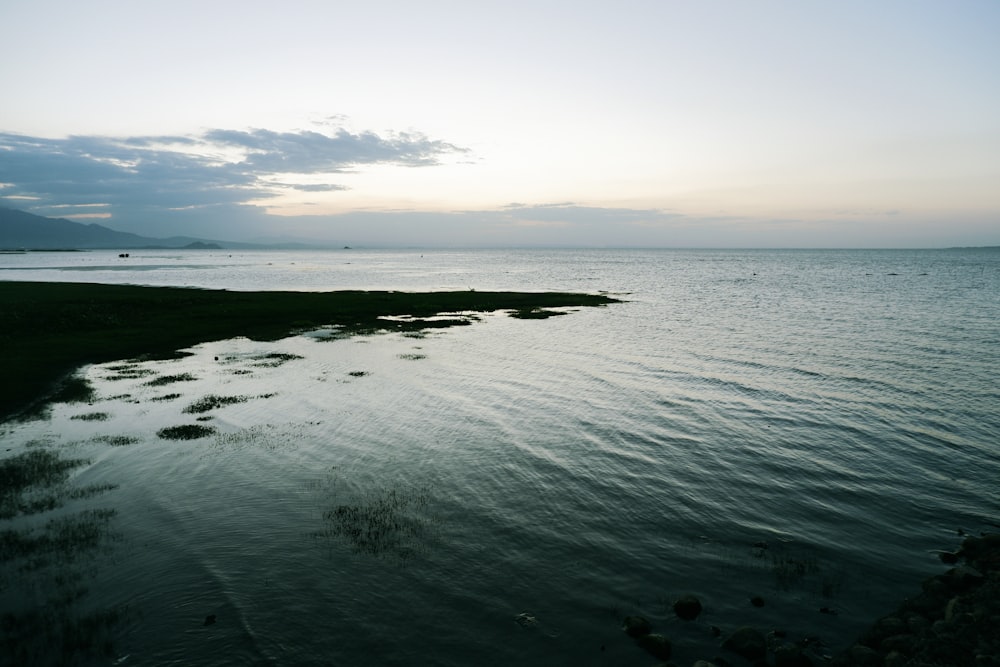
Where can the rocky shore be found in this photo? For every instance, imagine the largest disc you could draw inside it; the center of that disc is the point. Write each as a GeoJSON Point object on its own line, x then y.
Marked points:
{"type": "Point", "coordinates": [954, 621]}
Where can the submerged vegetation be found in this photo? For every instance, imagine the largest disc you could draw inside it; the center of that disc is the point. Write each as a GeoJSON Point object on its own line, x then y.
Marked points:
{"type": "Point", "coordinates": [274, 359]}
{"type": "Point", "coordinates": [49, 329]}
{"type": "Point", "coordinates": [170, 379]}
{"type": "Point", "coordinates": [385, 523]}
{"type": "Point", "coordinates": [27, 481]}
{"type": "Point", "coordinates": [116, 440]}
{"type": "Point", "coordinates": [212, 402]}
{"type": "Point", "coordinates": [185, 432]}
{"type": "Point", "coordinates": [42, 622]}
{"type": "Point", "coordinates": [92, 417]}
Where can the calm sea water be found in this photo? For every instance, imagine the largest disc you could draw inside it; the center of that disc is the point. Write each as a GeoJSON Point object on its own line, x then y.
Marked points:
{"type": "Point", "coordinates": [806, 426]}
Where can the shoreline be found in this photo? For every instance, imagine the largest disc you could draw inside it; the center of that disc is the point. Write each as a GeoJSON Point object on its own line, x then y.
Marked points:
{"type": "Point", "coordinates": [954, 621]}
{"type": "Point", "coordinates": [48, 330]}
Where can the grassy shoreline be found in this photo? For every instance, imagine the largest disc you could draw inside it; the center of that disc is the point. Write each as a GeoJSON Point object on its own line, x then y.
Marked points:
{"type": "Point", "coordinates": [47, 330]}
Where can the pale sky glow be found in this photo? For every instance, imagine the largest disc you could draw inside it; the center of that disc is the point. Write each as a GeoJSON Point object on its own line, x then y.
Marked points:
{"type": "Point", "coordinates": [725, 123]}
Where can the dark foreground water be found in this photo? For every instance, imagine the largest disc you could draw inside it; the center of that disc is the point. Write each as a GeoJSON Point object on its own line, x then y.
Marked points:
{"type": "Point", "coordinates": [808, 427]}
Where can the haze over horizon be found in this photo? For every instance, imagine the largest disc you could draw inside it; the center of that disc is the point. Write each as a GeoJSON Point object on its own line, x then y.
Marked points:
{"type": "Point", "coordinates": [767, 124]}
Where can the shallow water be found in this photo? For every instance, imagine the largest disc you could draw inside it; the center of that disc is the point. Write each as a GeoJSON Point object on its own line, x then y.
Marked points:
{"type": "Point", "coordinates": [402, 500]}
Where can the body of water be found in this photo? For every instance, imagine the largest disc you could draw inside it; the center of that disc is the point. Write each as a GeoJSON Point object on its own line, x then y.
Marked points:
{"type": "Point", "coordinates": [809, 427]}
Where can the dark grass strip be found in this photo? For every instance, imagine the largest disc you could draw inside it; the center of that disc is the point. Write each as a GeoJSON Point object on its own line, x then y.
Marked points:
{"type": "Point", "coordinates": [49, 329]}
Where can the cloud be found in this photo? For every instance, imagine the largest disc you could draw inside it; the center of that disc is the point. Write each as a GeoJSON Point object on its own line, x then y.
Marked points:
{"type": "Point", "coordinates": [217, 168]}
{"type": "Point", "coordinates": [312, 152]}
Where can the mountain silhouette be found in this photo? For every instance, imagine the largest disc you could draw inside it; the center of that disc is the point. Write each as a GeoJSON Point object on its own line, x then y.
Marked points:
{"type": "Point", "coordinates": [20, 230]}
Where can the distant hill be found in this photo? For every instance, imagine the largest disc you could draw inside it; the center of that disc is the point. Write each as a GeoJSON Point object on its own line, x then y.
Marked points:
{"type": "Point", "coordinates": [20, 230]}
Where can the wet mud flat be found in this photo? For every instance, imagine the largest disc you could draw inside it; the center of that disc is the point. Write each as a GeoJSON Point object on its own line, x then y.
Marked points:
{"type": "Point", "coordinates": [49, 329]}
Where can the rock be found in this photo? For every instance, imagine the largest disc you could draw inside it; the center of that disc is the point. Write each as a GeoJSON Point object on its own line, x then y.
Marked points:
{"type": "Point", "coordinates": [525, 620]}
{"type": "Point", "coordinates": [937, 587]}
{"type": "Point", "coordinates": [757, 601]}
{"type": "Point", "coordinates": [974, 548]}
{"type": "Point", "coordinates": [917, 624]}
{"type": "Point", "coordinates": [890, 625]}
{"type": "Point", "coordinates": [656, 645]}
{"type": "Point", "coordinates": [790, 655]}
{"type": "Point", "coordinates": [687, 607]}
{"type": "Point", "coordinates": [637, 626]}
{"type": "Point", "coordinates": [951, 609]}
{"type": "Point", "coordinates": [209, 620]}
{"type": "Point", "coordinates": [964, 577]}
{"type": "Point", "coordinates": [899, 643]}
{"type": "Point", "coordinates": [747, 642]}
{"type": "Point", "coordinates": [863, 656]}
{"type": "Point", "coordinates": [895, 659]}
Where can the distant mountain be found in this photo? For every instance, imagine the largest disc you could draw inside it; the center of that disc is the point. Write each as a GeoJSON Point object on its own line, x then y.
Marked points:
{"type": "Point", "coordinates": [20, 230]}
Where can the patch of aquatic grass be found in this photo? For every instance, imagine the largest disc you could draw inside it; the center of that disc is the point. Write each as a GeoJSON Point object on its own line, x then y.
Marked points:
{"type": "Point", "coordinates": [41, 560]}
{"type": "Point", "coordinates": [790, 571]}
{"type": "Point", "coordinates": [535, 313]}
{"type": "Point", "coordinates": [128, 372]}
{"type": "Point", "coordinates": [35, 469]}
{"type": "Point", "coordinates": [793, 569]}
{"type": "Point", "coordinates": [92, 417]}
{"type": "Point", "coordinates": [274, 359]}
{"type": "Point", "coordinates": [384, 523]}
{"type": "Point", "coordinates": [53, 635]}
{"type": "Point", "coordinates": [75, 390]}
{"type": "Point", "coordinates": [165, 397]}
{"type": "Point", "coordinates": [116, 440]}
{"type": "Point", "coordinates": [35, 481]}
{"type": "Point", "coordinates": [170, 379]}
{"type": "Point", "coordinates": [257, 436]}
{"type": "Point", "coordinates": [212, 402]}
{"type": "Point", "coordinates": [90, 490]}
{"type": "Point", "coordinates": [121, 368]}
{"type": "Point", "coordinates": [60, 538]}
{"type": "Point", "coordinates": [72, 389]}
{"type": "Point", "coordinates": [185, 432]}
{"type": "Point", "coordinates": [39, 442]}
{"type": "Point", "coordinates": [162, 355]}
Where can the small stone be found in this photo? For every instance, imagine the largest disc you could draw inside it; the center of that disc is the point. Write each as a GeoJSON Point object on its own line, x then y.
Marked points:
{"type": "Point", "coordinates": [637, 626]}
{"type": "Point", "coordinates": [687, 607]}
{"type": "Point", "coordinates": [757, 601]}
{"type": "Point", "coordinates": [656, 645]}
{"type": "Point", "coordinates": [209, 620]}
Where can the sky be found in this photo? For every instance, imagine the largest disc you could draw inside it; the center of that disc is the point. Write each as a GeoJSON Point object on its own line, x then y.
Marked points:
{"type": "Point", "coordinates": [708, 123]}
